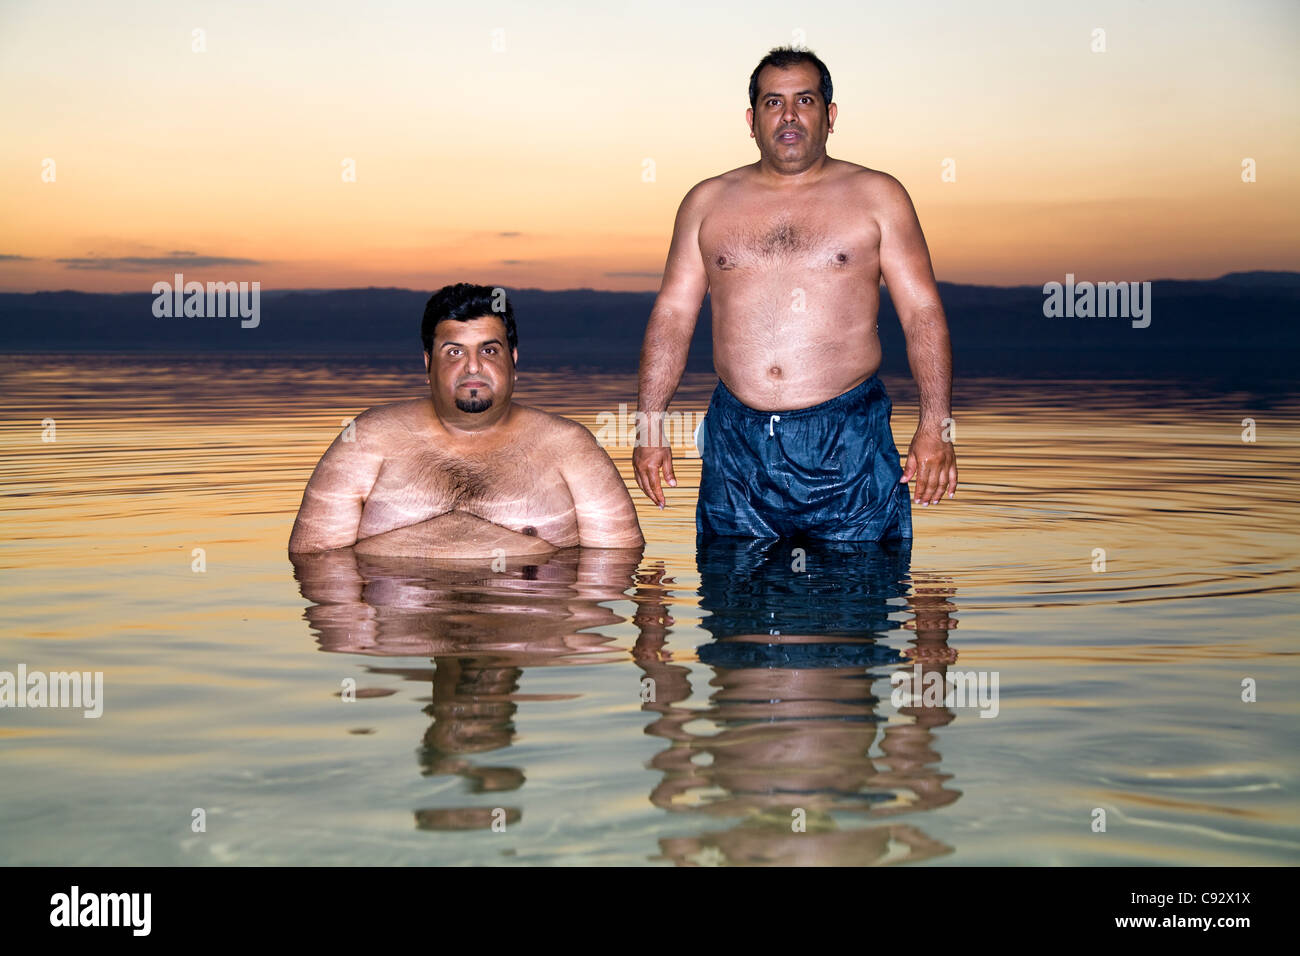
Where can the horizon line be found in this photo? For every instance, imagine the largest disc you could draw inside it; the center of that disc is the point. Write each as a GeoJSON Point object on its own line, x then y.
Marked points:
{"type": "Point", "coordinates": [374, 288]}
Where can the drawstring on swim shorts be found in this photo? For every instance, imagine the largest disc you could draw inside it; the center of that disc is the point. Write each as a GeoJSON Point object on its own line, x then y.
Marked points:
{"type": "Point", "coordinates": [770, 432]}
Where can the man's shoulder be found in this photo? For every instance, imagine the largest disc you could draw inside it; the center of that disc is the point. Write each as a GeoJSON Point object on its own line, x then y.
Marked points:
{"type": "Point", "coordinates": [707, 190]}
{"type": "Point", "coordinates": [560, 435]}
{"type": "Point", "coordinates": [876, 191]}
{"type": "Point", "coordinates": [402, 413]}
{"type": "Point", "coordinates": [378, 426]}
{"type": "Point", "coordinates": [540, 422]}
{"type": "Point", "coordinates": [864, 177]}
{"type": "Point", "coordinates": [878, 187]}
{"type": "Point", "coordinates": [733, 177]}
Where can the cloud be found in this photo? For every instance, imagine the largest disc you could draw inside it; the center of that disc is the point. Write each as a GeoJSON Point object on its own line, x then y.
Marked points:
{"type": "Point", "coordinates": [6, 257]}
{"type": "Point", "coordinates": [509, 235]}
{"type": "Point", "coordinates": [512, 262]}
{"type": "Point", "coordinates": [174, 260]}
{"type": "Point", "coordinates": [634, 275]}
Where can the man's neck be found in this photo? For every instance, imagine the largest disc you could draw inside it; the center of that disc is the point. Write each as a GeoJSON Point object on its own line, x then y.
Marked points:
{"type": "Point", "coordinates": [473, 425]}
{"type": "Point", "coordinates": [778, 176]}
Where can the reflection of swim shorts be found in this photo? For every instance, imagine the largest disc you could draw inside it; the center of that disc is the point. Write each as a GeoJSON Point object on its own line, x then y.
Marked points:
{"type": "Point", "coordinates": [829, 472]}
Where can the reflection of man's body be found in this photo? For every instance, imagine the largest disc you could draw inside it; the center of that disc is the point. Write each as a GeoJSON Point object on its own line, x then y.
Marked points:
{"type": "Point", "coordinates": [483, 626]}
{"type": "Point", "coordinates": [470, 472]}
{"type": "Point", "coordinates": [531, 611]}
{"type": "Point", "coordinates": [792, 250]}
{"type": "Point", "coordinates": [791, 719]}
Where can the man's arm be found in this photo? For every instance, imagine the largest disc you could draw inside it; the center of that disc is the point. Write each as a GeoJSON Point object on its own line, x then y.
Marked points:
{"type": "Point", "coordinates": [668, 340]}
{"type": "Point", "coordinates": [330, 513]}
{"type": "Point", "coordinates": [905, 265]}
{"type": "Point", "coordinates": [606, 515]}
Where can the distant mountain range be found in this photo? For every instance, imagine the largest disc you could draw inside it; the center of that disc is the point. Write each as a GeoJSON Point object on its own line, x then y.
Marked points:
{"type": "Point", "coordinates": [1241, 327]}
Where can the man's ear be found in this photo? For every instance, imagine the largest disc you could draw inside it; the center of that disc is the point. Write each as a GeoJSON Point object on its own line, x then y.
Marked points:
{"type": "Point", "coordinates": [749, 120]}
{"type": "Point", "coordinates": [426, 361]}
{"type": "Point", "coordinates": [831, 112]}
{"type": "Point", "coordinates": [514, 356]}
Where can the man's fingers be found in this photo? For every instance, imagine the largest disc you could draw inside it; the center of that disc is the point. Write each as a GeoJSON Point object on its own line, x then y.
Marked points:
{"type": "Point", "coordinates": [653, 462]}
{"type": "Point", "coordinates": [647, 488]}
{"type": "Point", "coordinates": [653, 490]}
{"type": "Point", "coordinates": [945, 478]}
{"type": "Point", "coordinates": [938, 482]}
{"type": "Point", "coordinates": [909, 469]}
{"type": "Point", "coordinates": [921, 486]}
{"type": "Point", "coordinates": [927, 484]}
{"type": "Point", "coordinates": [657, 481]}
{"type": "Point", "coordinates": [645, 467]}
{"type": "Point", "coordinates": [642, 473]}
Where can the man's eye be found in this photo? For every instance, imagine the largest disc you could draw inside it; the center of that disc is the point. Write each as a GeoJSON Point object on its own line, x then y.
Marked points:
{"type": "Point", "coordinates": [491, 350]}
{"type": "Point", "coordinates": [806, 99]}
{"type": "Point", "coordinates": [453, 352]}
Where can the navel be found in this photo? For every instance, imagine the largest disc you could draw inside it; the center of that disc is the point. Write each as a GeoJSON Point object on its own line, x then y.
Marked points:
{"type": "Point", "coordinates": [530, 530]}
{"type": "Point", "coordinates": [774, 371]}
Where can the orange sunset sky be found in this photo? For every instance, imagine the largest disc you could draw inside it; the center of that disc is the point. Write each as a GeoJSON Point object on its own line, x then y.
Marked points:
{"type": "Point", "coordinates": [508, 143]}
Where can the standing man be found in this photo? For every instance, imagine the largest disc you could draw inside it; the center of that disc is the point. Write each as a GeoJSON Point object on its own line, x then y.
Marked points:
{"type": "Point", "coordinates": [793, 248]}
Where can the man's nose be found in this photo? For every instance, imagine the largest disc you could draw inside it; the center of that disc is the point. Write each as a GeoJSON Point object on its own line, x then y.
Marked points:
{"type": "Point", "coordinates": [789, 116]}
{"type": "Point", "coordinates": [472, 361]}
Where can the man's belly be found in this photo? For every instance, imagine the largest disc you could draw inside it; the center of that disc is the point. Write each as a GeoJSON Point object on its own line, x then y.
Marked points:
{"type": "Point", "coordinates": [776, 358]}
{"type": "Point", "coordinates": [454, 535]}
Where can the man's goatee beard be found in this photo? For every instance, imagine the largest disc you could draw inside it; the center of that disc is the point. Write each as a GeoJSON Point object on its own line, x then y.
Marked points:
{"type": "Point", "coordinates": [473, 405]}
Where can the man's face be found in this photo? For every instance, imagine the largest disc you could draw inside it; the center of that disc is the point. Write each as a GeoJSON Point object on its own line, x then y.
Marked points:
{"type": "Point", "coordinates": [789, 119]}
{"type": "Point", "coordinates": [471, 368]}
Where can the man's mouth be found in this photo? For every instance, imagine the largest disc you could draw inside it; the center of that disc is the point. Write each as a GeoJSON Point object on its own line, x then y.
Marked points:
{"type": "Point", "coordinates": [789, 135]}
{"type": "Point", "coordinates": [473, 383]}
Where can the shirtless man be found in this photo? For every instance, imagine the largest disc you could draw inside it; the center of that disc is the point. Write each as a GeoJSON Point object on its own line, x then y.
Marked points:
{"type": "Point", "coordinates": [793, 248]}
{"type": "Point", "coordinates": [469, 473]}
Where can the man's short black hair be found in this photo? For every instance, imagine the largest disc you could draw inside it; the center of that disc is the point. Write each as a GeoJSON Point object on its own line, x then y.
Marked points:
{"type": "Point", "coordinates": [784, 57]}
{"type": "Point", "coordinates": [463, 302]}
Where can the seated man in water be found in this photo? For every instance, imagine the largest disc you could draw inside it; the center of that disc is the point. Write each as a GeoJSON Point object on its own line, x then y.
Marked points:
{"type": "Point", "coordinates": [465, 472]}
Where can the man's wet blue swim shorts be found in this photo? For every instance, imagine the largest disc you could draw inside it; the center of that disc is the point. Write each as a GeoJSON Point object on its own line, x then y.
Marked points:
{"type": "Point", "coordinates": [829, 472]}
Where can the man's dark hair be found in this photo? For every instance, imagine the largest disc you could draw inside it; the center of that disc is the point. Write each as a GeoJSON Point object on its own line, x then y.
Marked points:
{"type": "Point", "coordinates": [784, 57]}
{"type": "Point", "coordinates": [463, 302]}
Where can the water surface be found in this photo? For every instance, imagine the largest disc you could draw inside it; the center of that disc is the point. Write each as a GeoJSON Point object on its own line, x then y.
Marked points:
{"type": "Point", "coordinates": [523, 696]}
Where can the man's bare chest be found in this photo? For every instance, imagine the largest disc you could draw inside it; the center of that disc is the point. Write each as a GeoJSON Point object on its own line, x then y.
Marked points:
{"type": "Point", "coordinates": [512, 490]}
{"type": "Point", "coordinates": [742, 240]}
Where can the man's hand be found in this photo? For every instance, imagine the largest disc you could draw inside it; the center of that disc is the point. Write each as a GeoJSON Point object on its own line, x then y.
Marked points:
{"type": "Point", "coordinates": [646, 464]}
{"type": "Point", "coordinates": [931, 467]}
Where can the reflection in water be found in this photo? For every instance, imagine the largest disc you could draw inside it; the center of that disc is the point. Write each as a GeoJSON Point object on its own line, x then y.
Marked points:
{"type": "Point", "coordinates": [482, 624]}
{"type": "Point", "coordinates": [786, 738]}
{"type": "Point", "coordinates": [524, 613]}
{"type": "Point", "coordinates": [790, 725]}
